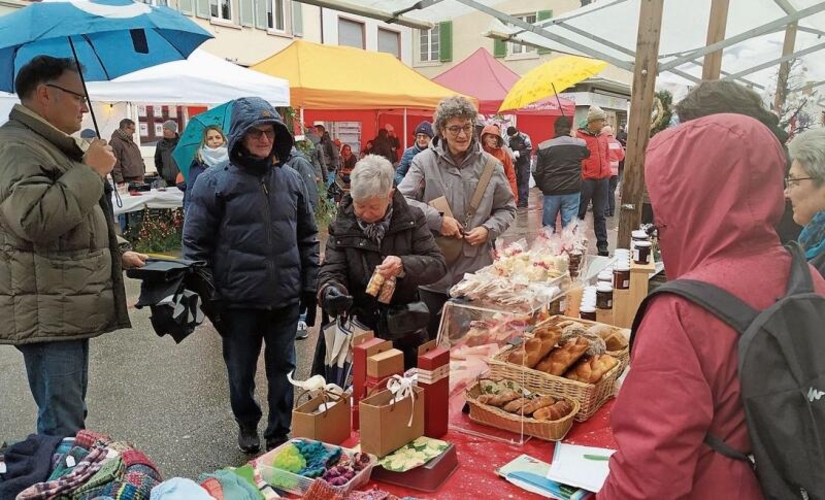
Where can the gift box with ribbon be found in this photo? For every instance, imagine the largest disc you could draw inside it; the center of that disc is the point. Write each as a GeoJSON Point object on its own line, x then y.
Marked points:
{"type": "Point", "coordinates": [392, 418]}
{"type": "Point", "coordinates": [325, 416]}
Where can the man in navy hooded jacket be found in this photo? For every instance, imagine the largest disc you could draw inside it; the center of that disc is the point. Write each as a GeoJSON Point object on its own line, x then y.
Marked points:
{"type": "Point", "coordinates": [252, 222]}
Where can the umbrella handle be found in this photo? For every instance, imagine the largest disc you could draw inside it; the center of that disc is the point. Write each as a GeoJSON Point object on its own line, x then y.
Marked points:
{"type": "Point", "coordinates": [85, 90]}
{"type": "Point", "coordinates": [558, 100]}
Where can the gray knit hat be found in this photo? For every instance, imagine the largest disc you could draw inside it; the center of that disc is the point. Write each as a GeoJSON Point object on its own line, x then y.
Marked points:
{"type": "Point", "coordinates": [171, 125]}
{"type": "Point", "coordinates": [595, 113]}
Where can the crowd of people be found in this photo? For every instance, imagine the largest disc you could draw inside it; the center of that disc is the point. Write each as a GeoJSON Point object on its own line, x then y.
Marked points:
{"type": "Point", "coordinates": [423, 223]}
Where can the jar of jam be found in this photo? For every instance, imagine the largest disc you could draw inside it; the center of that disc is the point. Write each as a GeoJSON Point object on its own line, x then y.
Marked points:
{"type": "Point", "coordinates": [605, 276]}
{"type": "Point", "coordinates": [641, 254]}
{"type": "Point", "coordinates": [637, 236]}
{"type": "Point", "coordinates": [604, 296]}
{"type": "Point", "coordinates": [587, 312]}
{"type": "Point", "coordinates": [621, 276]}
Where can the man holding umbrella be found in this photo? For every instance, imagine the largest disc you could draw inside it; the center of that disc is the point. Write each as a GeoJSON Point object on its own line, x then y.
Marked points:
{"type": "Point", "coordinates": [251, 221]}
{"type": "Point", "coordinates": [60, 268]}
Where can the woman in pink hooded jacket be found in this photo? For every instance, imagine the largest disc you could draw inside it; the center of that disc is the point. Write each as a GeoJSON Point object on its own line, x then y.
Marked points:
{"type": "Point", "coordinates": [716, 205]}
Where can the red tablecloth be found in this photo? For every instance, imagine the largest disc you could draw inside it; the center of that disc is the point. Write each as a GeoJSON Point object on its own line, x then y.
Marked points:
{"type": "Point", "coordinates": [479, 457]}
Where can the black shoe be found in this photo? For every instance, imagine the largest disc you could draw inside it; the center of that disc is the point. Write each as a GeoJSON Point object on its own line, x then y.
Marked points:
{"type": "Point", "coordinates": [272, 443]}
{"type": "Point", "coordinates": [248, 440]}
{"type": "Point", "coordinates": [303, 331]}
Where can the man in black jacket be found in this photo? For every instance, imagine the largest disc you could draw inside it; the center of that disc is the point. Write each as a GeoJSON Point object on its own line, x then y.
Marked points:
{"type": "Point", "coordinates": [251, 221]}
{"type": "Point", "coordinates": [520, 144]}
{"type": "Point", "coordinates": [559, 174]}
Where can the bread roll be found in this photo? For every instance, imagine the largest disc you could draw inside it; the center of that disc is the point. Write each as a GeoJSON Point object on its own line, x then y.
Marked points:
{"type": "Point", "coordinates": [591, 370]}
{"type": "Point", "coordinates": [563, 357]}
{"type": "Point", "coordinates": [555, 411]}
{"type": "Point", "coordinates": [515, 405]}
{"type": "Point", "coordinates": [537, 404]}
{"type": "Point", "coordinates": [614, 338]}
{"type": "Point", "coordinates": [500, 399]}
{"type": "Point", "coordinates": [534, 349]}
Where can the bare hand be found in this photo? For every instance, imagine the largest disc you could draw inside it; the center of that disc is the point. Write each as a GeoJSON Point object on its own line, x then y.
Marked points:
{"type": "Point", "coordinates": [477, 236]}
{"type": "Point", "coordinates": [451, 227]}
{"type": "Point", "coordinates": [100, 157]}
{"type": "Point", "coordinates": [391, 267]}
{"type": "Point", "coordinates": [132, 260]}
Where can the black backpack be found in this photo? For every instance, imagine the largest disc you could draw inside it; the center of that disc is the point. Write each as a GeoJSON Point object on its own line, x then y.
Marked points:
{"type": "Point", "coordinates": [782, 374]}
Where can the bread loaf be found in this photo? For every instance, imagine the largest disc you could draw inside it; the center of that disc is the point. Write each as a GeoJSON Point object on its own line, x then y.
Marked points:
{"type": "Point", "coordinates": [555, 411]}
{"type": "Point", "coordinates": [563, 357]}
{"type": "Point", "coordinates": [614, 338]}
{"type": "Point", "coordinates": [533, 350]}
{"type": "Point", "coordinates": [515, 405]}
{"type": "Point", "coordinates": [500, 399]}
{"type": "Point", "coordinates": [537, 404]}
{"type": "Point", "coordinates": [591, 370]}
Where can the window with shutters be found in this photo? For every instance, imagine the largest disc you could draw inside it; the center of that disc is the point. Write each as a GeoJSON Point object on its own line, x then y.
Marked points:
{"type": "Point", "coordinates": [390, 42]}
{"type": "Point", "coordinates": [221, 9]}
{"type": "Point", "coordinates": [350, 33]}
{"type": "Point", "coordinates": [517, 48]}
{"type": "Point", "coordinates": [186, 6]}
{"type": "Point", "coordinates": [429, 48]}
{"type": "Point", "coordinates": [297, 18]}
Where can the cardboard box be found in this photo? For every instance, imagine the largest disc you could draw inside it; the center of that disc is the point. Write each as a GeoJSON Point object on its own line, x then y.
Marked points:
{"type": "Point", "coordinates": [363, 347]}
{"type": "Point", "coordinates": [434, 379]}
{"type": "Point", "coordinates": [385, 364]}
{"type": "Point", "coordinates": [384, 426]}
{"type": "Point", "coordinates": [330, 426]}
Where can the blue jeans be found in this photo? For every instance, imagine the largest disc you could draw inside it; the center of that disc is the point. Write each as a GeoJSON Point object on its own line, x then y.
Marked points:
{"type": "Point", "coordinates": [247, 330]}
{"type": "Point", "coordinates": [58, 375]}
{"type": "Point", "coordinates": [567, 204]}
{"type": "Point", "coordinates": [596, 189]}
{"type": "Point", "coordinates": [523, 182]}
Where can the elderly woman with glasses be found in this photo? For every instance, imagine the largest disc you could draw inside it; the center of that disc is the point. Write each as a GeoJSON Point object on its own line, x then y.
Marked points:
{"type": "Point", "coordinates": [377, 231]}
{"type": "Point", "coordinates": [805, 188]}
{"type": "Point", "coordinates": [442, 182]}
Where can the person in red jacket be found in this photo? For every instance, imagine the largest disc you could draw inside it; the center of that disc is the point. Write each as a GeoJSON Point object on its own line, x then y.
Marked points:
{"type": "Point", "coordinates": [493, 143]}
{"type": "Point", "coordinates": [616, 153]}
{"type": "Point", "coordinates": [684, 382]}
{"type": "Point", "coordinates": [596, 175]}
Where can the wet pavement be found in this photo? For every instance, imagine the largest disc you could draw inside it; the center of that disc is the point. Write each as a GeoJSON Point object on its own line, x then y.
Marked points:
{"type": "Point", "coordinates": [171, 400]}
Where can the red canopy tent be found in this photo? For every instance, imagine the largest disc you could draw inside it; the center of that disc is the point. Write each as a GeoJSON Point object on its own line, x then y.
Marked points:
{"type": "Point", "coordinates": [484, 77]}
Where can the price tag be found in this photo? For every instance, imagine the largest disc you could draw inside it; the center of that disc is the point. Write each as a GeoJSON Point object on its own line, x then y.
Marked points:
{"type": "Point", "coordinates": [70, 462]}
{"type": "Point", "coordinates": [2, 467]}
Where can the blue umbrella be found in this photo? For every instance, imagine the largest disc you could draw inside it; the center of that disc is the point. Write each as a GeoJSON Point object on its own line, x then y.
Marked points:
{"type": "Point", "coordinates": [192, 135]}
{"type": "Point", "coordinates": [109, 38]}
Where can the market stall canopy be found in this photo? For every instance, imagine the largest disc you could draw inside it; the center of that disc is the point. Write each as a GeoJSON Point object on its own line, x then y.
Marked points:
{"type": "Point", "coordinates": [484, 77]}
{"type": "Point", "coordinates": [334, 77]}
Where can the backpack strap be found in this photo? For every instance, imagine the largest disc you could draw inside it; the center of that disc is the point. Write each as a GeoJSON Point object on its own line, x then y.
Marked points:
{"type": "Point", "coordinates": [481, 188]}
{"type": "Point", "coordinates": [800, 280]}
{"type": "Point", "coordinates": [727, 307]}
{"type": "Point", "coordinates": [725, 450]}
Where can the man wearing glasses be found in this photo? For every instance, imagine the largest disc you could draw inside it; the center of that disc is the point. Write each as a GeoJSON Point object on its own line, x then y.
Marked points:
{"type": "Point", "coordinates": [252, 223]}
{"type": "Point", "coordinates": [60, 264]}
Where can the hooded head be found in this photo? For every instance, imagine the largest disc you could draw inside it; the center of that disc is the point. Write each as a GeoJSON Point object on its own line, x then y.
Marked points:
{"type": "Point", "coordinates": [494, 132]}
{"type": "Point", "coordinates": [716, 190]}
{"type": "Point", "coordinates": [254, 112]}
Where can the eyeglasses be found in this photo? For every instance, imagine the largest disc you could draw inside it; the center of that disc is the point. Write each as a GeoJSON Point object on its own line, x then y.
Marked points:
{"type": "Point", "coordinates": [455, 130]}
{"type": "Point", "coordinates": [794, 181]}
{"type": "Point", "coordinates": [256, 133]}
{"type": "Point", "coordinates": [80, 98]}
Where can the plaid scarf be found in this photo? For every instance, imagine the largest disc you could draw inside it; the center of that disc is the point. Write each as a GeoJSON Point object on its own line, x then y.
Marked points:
{"type": "Point", "coordinates": [375, 232]}
{"type": "Point", "coordinates": [812, 236]}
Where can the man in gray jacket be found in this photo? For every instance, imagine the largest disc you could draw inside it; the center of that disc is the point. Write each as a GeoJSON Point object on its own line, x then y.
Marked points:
{"type": "Point", "coordinates": [60, 268]}
{"type": "Point", "coordinates": [451, 168]}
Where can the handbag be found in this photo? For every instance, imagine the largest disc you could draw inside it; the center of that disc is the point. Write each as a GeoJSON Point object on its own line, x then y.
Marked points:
{"type": "Point", "coordinates": [408, 318]}
{"type": "Point", "coordinates": [452, 248]}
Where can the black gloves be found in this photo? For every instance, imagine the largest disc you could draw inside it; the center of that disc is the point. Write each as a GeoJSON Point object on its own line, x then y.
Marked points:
{"type": "Point", "coordinates": [335, 302]}
{"type": "Point", "coordinates": [309, 304]}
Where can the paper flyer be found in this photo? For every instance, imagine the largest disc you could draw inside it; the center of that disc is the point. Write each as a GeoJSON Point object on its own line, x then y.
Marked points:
{"type": "Point", "coordinates": [583, 466]}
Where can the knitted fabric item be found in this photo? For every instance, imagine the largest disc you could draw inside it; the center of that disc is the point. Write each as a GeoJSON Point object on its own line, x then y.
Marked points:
{"type": "Point", "coordinates": [213, 487]}
{"type": "Point", "coordinates": [111, 471]}
{"type": "Point", "coordinates": [87, 439]}
{"type": "Point", "coordinates": [26, 463]}
{"type": "Point", "coordinates": [234, 487]}
{"type": "Point", "coordinates": [321, 490]}
{"type": "Point", "coordinates": [135, 457]}
{"type": "Point", "coordinates": [318, 457]}
{"type": "Point", "coordinates": [68, 462]}
{"type": "Point", "coordinates": [63, 448]}
{"type": "Point", "coordinates": [812, 236]}
{"type": "Point", "coordinates": [81, 473]}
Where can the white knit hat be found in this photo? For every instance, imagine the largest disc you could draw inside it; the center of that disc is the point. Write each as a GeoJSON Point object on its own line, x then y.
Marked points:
{"type": "Point", "coordinates": [595, 113]}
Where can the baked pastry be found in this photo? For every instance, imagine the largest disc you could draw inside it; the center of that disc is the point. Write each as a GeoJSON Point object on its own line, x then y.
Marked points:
{"type": "Point", "coordinates": [591, 370]}
{"type": "Point", "coordinates": [563, 357]}
{"type": "Point", "coordinates": [500, 399]}
{"type": "Point", "coordinates": [556, 411]}
{"type": "Point", "coordinates": [533, 350]}
{"type": "Point", "coordinates": [537, 404]}
{"type": "Point", "coordinates": [614, 338]}
{"type": "Point", "coordinates": [515, 405]}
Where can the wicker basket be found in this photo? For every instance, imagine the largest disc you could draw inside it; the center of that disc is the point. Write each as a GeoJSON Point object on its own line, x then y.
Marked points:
{"type": "Point", "coordinates": [622, 355]}
{"type": "Point", "coordinates": [590, 397]}
{"type": "Point", "coordinates": [554, 430]}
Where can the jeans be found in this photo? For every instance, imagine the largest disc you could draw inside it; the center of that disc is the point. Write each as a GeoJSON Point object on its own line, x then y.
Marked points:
{"type": "Point", "coordinates": [596, 190]}
{"type": "Point", "coordinates": [58, 375]}
{"type": "Point", "coordinates": [247, 330]}
{"type": "Point", "coordinates": [611, 195]}
{"type": "Point", "coordinates": [567, 204]}
{"type": "Point", "coordinates": [523, 182]}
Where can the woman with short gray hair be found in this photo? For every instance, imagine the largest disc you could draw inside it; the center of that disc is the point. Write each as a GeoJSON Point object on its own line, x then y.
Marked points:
{"type": "Point", "coordinates": [805, 187]}
{"type": "Point", "coordinates": [377, 231]}
{"type": "Point", "coordinates": [443, 181]}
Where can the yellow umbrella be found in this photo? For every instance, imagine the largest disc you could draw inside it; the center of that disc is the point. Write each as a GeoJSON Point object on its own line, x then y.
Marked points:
{"type": "Point", "coordinates": [549, 78]}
